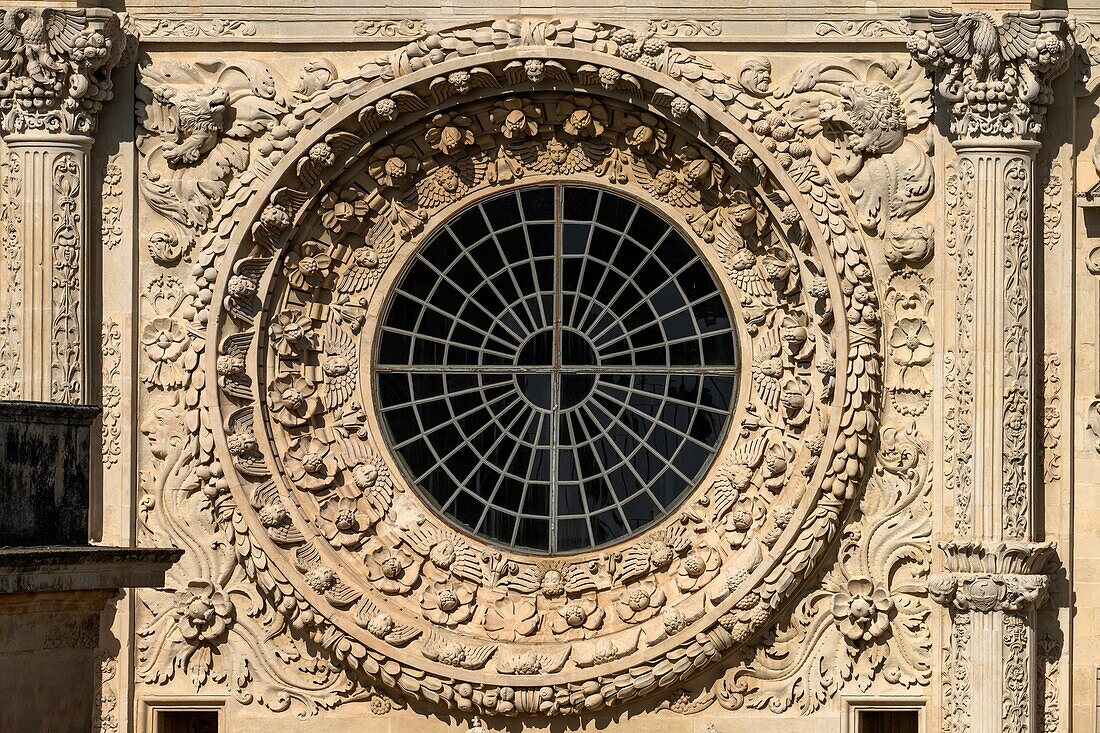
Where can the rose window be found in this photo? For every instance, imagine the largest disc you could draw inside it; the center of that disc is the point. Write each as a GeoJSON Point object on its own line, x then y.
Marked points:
{"type": "Point", "coordinates": [555, 368]}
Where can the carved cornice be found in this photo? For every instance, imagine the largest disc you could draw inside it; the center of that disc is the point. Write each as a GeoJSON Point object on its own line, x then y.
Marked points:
{"type": "Point", "coordinates": [55, 68]}
{"type": "Point", "coordinates": [995, 75]}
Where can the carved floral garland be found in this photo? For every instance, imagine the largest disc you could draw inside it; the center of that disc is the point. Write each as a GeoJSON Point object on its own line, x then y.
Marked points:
{"type": "Point", "coordinates": [351, 180]}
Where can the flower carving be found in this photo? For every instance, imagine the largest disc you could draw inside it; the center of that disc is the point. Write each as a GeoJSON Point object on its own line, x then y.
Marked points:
{"type": "Point", "coordinates": [448, 605]}
{"type": "Point", "coordinates": [309, 464]}
{"type": "Point", "coordinates": [307, 266]}
{"type": "Point", "coordinates": [862, 611]}
{"type": "Point", "coordinates": [698, 568]}
{"type": "Point", "coordinates": [912, 342]}
{"type": "Point", "coordinates": [640, 603]}
{"type": "Point", "coordinates": [508, 619]}
{"type": "Point", "coordinates": [644, 133]}
{"type": "Point", "coordinates": [449, 133]}
{"type": "Point", "coordinates": [583, 117]}
{"type": "Point", "coordinates": [293, 400]}
{"type": "Point", "coordinates": [291, 333]}
{"type": "Point", "coordinates": [340, 209]}
{"type": "Point", "coordinates": [202, 613]}
{"type": "Point", "coordinates": [392, 166]}
{"type": "Point", "coordinates": [393, 570]}
{"type": "Point", "coordinates": [346, 525]}
{"type": "Point", "coordinates": [516, 118]}
{"type": "Point", "coordinates": [165, 341]}
{"type": "Point", "coordinates": [576, 617]}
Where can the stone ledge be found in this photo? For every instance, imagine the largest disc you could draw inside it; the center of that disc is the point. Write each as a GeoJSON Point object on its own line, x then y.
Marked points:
{"type": "Point", "coordinates": [52, 569]}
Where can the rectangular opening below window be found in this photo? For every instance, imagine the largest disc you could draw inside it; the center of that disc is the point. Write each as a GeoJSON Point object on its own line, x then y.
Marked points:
{"type": "Point", "coordinates": [186, 721]}
{"type": "Point", "coordinates": [889, 721]}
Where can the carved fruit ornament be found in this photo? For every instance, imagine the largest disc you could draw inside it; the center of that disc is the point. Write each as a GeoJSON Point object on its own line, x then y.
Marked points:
{"type": "Point", "coordinates": [361, 173]}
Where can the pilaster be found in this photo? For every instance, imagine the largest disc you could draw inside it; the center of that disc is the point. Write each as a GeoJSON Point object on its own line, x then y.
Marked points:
{"type": "Point", "coordinates": [993, 82]}
{"type": "Point", "coordinates": [55, 69]}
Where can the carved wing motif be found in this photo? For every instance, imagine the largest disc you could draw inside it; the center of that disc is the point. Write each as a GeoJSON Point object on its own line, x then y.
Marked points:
{"type": "Point", "coordinates": [635, 562]}
{"type": "Point", "coordinates": [11, 40]}
{"type": "Point", "coordinates": [371, 618]}
{"type": "Point", "coordinates": [740, 263]}
{"type": "Point", "coordinates": [379, 497]}
{"type": "Point", "coordinates": [466, 563]}
{"type": "Point", "coordinates": [440, 650]}
{"type": "Point", "coordinates": [441, 188]}
{"type": "Point", "coordinates": [341, 366]}
{"type": "Point", "coordinates": [234, 382]}
{"type": "Point", "coordinates": [445, 87]}
{"type": "Point", "coordinates": [526, 580]}
{"type": "Point", "coordinates": [1018, 33]}
{"type": "Point", "coordinates": [953, 31]}
{"type": "Point", "coordinates": [767, 387]}
{"type": "Point", "coordinates": [577, 580]}
{"type": "Point", "coordinates": [61, 28]}
{"type": "Point", "coordinates": [403, 101]}
{"type": "Point", "coordinates": [477, 656]}
{"type": "Point", "coordinates": [552, 663]}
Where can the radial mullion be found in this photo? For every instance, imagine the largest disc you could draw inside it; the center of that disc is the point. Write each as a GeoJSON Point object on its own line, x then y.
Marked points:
{"type": "Point", "coordinates": [509, 268]}
{"type": "Point", "coordinates": [482, 460]}
{"type": "Point", "coordinates": [460, 288]}
{"type": "Point", "coordinates": [454, 421]}
{"type": "Point", "coordinates": [687, 307]}
{"type": "Point", "coordinates": [655, 420]}
{"type": "Point", "coordinates": [496, 487]}
{"type": "Point", "coordinates": [487, 279]}
{"type": "Point", "coordinates": [614, 254]}
{"type": "Point", "coordinates": [624, 462]}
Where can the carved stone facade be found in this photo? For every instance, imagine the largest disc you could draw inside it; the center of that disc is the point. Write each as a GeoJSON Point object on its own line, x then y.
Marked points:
{"type": "Point", "coordinates": [888, 208]}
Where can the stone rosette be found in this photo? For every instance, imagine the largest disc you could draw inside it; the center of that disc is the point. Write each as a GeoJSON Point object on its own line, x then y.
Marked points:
{"type": "Point", "coordinates": [361, 174]}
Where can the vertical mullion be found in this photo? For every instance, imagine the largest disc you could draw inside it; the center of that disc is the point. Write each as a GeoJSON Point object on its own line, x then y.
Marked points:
{"type": "Point", "coordinates": [555, 380]}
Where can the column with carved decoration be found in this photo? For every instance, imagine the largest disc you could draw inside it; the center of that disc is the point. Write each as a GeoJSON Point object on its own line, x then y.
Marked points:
{"type": "Point", "coordinates": [55, 67]}
{"type": "Point", "coordinates": [993, 77]}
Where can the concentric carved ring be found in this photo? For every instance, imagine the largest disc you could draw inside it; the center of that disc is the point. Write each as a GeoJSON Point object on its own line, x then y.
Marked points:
{"type": "Point", "coordinates": [327, 524]}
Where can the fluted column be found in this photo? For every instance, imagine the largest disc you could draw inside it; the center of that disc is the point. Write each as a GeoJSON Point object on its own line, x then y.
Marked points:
{"type": "Point", "coordinates": [54, 78]}
{"type": "Point", "coordinates": [993, 81]}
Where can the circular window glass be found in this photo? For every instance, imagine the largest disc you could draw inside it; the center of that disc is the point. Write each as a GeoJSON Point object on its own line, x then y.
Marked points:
{"type": "Point", "coordinates": [556, 368]}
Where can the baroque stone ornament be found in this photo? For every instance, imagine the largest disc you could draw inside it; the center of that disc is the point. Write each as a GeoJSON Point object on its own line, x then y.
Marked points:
{"type": "Point", "coordinates": [55, 75]}
{"type": "Point", "coordinates": [283, 450]}
{"type": "Point", "coordinates": [996, 73]}
{"type": "Point", "coordinates": [57, 66]}
{"type": "Point", "coordinates": [996, 76]}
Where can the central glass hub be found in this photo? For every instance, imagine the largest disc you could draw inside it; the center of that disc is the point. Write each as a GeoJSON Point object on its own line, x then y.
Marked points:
{"type": "Point", "coordinates": [553, 381]}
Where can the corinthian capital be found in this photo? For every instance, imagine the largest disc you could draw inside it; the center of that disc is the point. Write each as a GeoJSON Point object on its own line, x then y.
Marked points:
{"type": "Point", "coordinates": [996, 75]}
{"type": "Point", "coordinates": [55, 67]}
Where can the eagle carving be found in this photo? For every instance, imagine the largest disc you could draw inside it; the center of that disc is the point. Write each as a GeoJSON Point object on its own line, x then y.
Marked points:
{"type": "Point", "coordinates": [978, 39]}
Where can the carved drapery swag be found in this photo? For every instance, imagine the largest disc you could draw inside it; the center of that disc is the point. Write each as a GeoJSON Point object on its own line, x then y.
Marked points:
{"type": "Point", "coordinates": [292, 217]}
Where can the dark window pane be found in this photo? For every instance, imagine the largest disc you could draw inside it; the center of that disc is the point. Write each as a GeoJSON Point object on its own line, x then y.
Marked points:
{"type": "Point", "coordinates": [581, 427]}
